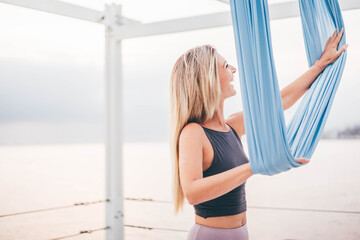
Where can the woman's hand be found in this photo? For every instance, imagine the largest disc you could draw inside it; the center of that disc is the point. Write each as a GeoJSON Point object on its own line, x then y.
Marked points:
{"type": "Point", "coordinates": [331, 53]}
{"type": "Point", "coordinates": [302, 160]}
{"type": "Point", "coordinates": [295, 90]}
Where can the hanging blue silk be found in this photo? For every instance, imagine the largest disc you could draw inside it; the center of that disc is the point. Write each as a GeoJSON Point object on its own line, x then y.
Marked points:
{"type": "Point", "coordinates": [269, 140]}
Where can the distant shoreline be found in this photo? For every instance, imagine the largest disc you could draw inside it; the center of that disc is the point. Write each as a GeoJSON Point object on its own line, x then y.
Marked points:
{"type": "Point", "coordinates": [346, 133]}
{"type": "Point", "coordinates": [67, 132]}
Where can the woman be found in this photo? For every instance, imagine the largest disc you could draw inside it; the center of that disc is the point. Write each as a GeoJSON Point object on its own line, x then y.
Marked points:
{"type": "Point", "coordinates": [210, 166]}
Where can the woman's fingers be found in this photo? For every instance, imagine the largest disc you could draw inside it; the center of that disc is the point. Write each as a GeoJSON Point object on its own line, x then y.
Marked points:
{"type": "Point", "coordinates": [333, 36]}
{"type": "Point", "coordinates": [343, 48]}
{"type": "Point", "coordinates": [337, 40]}
{"type": "Point", "coordinates": [330, 52]}
{"type": "Point", "coordinates": [327, 43]}
{"type": "Point", "coordinates": [302, 160]}
{"type": "Point", "coordinates": [333, 40]}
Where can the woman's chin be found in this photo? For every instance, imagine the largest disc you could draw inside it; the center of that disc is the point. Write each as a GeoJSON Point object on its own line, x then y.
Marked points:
{"type": "Point", "coordinates": [231, 95]}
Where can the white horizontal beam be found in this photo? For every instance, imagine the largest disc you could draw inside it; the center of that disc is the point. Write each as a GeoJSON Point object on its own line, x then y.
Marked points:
{"type": "Point", "coordinates": [291, 8]}
{"type": "Point", "coordinates": [58, 7]}
{"type": "Point", "coordinates": [64, 9]}
{"type": "Point", "coordinates": [174, 26]}
{"type": "Point", "coordinates": [349, 4]}
{"type": "Point", "coordinates": [276, 11]}
{"type": "Point", "coordinates": [128, 28]}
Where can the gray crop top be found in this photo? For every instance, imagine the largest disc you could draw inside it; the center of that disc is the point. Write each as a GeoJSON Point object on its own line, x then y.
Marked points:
{"type": "Point", "coordinates": [228, 153]}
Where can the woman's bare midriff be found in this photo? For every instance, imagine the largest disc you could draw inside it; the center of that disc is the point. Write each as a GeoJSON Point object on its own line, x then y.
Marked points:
{"type": "Point", "coordinates": [232, 221]}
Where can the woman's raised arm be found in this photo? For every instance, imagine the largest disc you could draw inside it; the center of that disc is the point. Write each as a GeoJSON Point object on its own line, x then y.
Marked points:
{"type": "Point", "coordinates": [292, 92]}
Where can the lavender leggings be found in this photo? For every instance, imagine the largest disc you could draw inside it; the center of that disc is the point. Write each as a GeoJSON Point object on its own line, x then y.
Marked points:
{"type": "Point", "coordinates": [201, 232]}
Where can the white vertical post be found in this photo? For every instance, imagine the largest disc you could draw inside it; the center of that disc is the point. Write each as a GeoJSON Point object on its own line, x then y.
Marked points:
{"type": "Point", "coordinates": [114, 126]}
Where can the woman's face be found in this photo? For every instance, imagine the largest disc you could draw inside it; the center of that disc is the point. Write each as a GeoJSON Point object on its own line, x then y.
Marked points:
{"type": "Point", "coordinates": [226, 73]}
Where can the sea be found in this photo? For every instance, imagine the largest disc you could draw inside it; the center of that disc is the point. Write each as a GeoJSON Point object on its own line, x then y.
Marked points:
{"type": "Point", "coordinates": [57, 191]}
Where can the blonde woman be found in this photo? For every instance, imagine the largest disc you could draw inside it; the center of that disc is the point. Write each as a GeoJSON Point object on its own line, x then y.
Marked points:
{"type": "Point", "coordinates": [210, 166]}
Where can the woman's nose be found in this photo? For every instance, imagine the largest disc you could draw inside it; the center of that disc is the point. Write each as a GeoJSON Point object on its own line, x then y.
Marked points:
{"type": "Point", "coordinates": [233, 69]}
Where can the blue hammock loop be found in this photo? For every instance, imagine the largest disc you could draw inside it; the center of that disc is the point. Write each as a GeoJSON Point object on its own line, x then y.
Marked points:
{"type": "Point", "coordinates": [269, 140]}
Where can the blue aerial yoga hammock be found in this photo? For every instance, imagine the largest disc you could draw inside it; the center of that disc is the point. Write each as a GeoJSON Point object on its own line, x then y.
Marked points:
{"type": "Point", "coordinates": [269, 141]}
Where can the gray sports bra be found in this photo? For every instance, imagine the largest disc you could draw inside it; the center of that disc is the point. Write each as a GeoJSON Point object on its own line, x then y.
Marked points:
{"type": "Point", "coordinates": [228, 153]}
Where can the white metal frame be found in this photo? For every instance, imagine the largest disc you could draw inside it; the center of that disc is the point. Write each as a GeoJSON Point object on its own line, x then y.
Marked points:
{"type": "Point", "coordinates": [221, 19]}
{"type": "Point", "coordinates": [113, 125]}
{"type": "Point", "coordinates": [118, 28]}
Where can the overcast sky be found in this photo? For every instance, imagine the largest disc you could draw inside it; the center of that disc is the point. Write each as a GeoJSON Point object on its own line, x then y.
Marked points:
{"type": "Point", "coordinates": [52, 71]}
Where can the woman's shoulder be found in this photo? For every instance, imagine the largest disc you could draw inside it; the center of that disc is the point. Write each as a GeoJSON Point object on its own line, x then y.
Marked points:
{"type": "Point", "coordinates": [192, 128]}
{"type": "Point", "coordinates": [236, 121]}
{"type": "Point", "coordinates": [192, 131]}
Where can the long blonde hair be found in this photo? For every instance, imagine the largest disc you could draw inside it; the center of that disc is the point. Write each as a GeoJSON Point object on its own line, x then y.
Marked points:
{"type": "Point", "coordinates": [194, 95]}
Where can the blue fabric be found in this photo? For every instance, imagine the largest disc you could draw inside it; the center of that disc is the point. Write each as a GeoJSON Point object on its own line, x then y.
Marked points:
{"type": "Point", "coordinates": [269, 140]}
